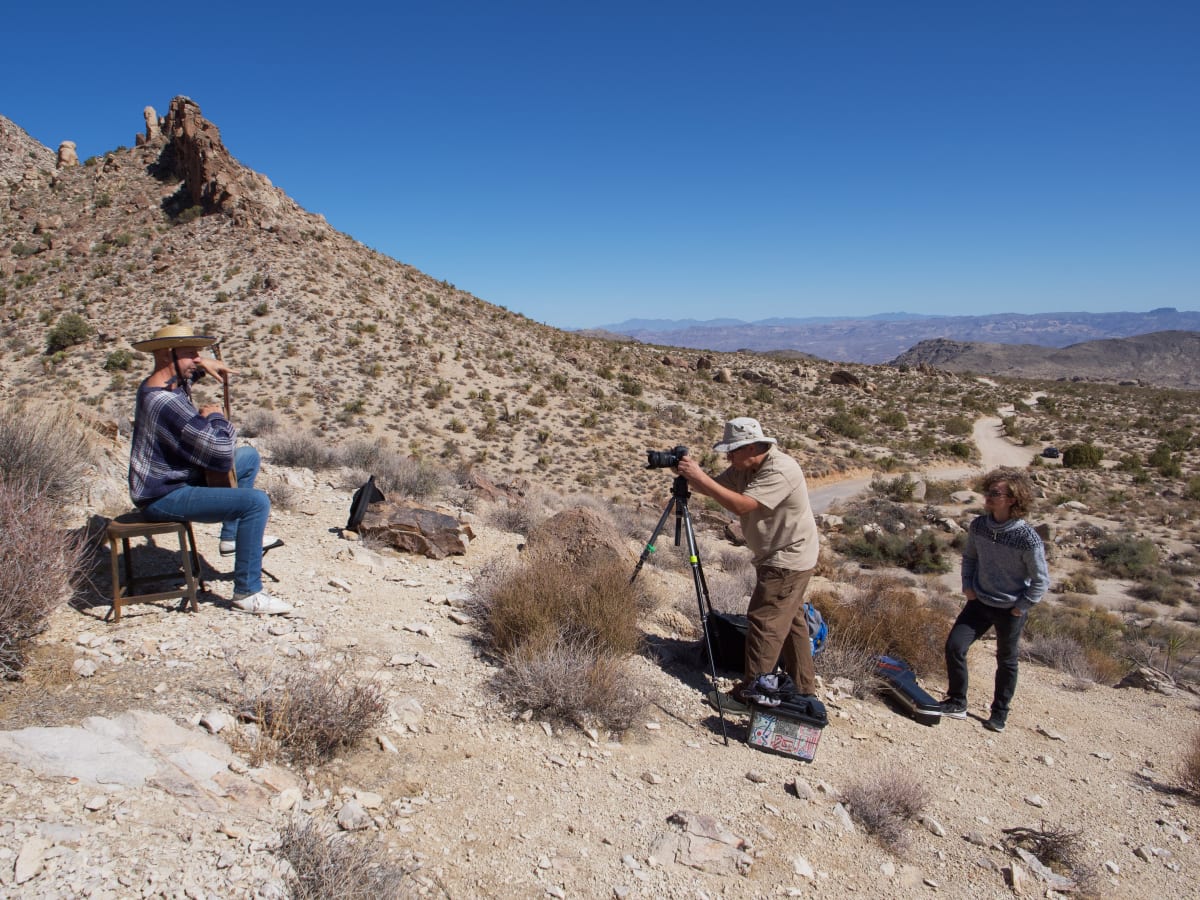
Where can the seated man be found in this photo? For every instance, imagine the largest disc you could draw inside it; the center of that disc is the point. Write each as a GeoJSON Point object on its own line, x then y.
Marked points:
{"type": "Point", "coordinates": [174, 444]}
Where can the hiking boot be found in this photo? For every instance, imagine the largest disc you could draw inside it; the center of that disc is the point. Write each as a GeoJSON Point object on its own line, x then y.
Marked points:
{"type": "Point", "coordinates": [261, 604]}
{"type": "Point", "coordinates": [729, 703]}
{"type": "Point", "coordinates": [995, 724]}
{"type": "Point", "coordinates": [270, 542]}
{"type": "Point", "coordinates": [953, 709]}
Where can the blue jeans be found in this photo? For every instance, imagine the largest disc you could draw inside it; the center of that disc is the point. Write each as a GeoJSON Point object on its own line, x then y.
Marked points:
{"type": "Point", "coordinates": [972, 624]}
{"type": "Point", "coordinates": [242, 512]}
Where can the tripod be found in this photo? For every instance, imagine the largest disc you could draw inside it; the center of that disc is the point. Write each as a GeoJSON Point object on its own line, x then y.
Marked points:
{"type": "Point", "coordinates": [683, 524]}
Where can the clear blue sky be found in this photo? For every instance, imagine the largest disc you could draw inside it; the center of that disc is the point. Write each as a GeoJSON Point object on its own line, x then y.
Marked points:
{"type": "Point", "coordinates": [679, 160]}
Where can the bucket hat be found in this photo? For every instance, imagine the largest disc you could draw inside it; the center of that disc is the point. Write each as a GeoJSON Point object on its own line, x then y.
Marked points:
{"type": "Point", "coordinates": [172, 336]}
{"type": "Point", "coordinates": [740, 432]}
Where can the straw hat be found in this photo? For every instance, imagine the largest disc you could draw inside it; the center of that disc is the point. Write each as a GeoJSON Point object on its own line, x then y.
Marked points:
{"type": "Point", "coordinates": [172, 336]}
{"type": "Point", "coordinates": [739, 433]}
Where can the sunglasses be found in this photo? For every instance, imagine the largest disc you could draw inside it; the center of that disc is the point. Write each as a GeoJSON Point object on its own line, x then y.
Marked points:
{"type": "Point", "coordinates": [998, 494]}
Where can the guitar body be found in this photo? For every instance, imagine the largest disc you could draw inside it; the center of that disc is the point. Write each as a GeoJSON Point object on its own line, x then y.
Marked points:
{"type": "Point", "coordinates": [220, 479]}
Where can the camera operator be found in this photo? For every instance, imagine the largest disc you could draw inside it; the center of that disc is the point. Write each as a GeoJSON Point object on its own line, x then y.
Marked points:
{"type": "Point", "coordinates": [765, 488]}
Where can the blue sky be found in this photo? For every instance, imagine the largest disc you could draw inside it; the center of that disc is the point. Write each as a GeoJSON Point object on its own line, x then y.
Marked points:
{"type": "Point", "coordinates": [585, 164]}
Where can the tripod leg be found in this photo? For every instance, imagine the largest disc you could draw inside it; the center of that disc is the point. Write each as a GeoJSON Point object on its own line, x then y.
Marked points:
{"type": "Point", "coordinates": [650, 548]}
{"type": "Point", "coordinates": [705, 605]}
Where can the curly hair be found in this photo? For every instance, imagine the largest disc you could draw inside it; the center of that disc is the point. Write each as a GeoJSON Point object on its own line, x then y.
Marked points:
{"type": "Point", "coordinates": [1019, 485]}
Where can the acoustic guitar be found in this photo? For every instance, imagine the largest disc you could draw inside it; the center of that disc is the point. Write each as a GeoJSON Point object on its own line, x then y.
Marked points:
{"type": "Point", "coordinates": [215, 477]}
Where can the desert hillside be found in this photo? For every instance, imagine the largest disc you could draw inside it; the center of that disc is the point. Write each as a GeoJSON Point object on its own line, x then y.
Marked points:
{"type": "Point", "coordinates": [135, 765]}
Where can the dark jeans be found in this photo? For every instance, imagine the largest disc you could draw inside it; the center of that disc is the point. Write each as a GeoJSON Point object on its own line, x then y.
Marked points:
{"type": "Point", "coordinates": [972, 624]}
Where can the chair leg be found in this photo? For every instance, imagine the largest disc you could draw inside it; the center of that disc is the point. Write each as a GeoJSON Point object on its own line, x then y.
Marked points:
{"type": "Point", "coordinates": [115, 612]}
{"type": "Point", "coordinates": [186, 549]}
{"type": "Point", "coordinates": [195, 561]}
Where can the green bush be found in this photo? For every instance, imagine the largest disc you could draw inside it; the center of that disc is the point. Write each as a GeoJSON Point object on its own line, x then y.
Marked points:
{"type": "Point", "coordinates": [118, 360]}
{"type": "Point", "coordinates": [1127, 557]}
{"type": "Point", "coordinates": [1082, 456]}
{"type": "Point", "coordinates": [846, 425]}
{"type": "Point", "coordinates": [71, 329]}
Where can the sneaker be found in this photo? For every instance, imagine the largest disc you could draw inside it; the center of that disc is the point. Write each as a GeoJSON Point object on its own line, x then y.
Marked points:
{"type": "Point", "coordinates": [729, 704]}
{"type": "Point", "coordinates": [270, 542]}
{"type": "Point", "coordinates": [994, 724]}
{"type": "Point", "coordinates": [261, 604]}
{"type": "Point", "coordinates": [953, 709]}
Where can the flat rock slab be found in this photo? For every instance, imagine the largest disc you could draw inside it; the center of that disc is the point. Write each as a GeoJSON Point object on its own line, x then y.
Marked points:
{"type": "Point", "coordinates": [135, 749]}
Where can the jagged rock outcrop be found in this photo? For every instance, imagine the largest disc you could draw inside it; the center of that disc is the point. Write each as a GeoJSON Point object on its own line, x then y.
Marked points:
{"type": "Point", "coordinates": [67, 155]}
{"type": "Point", "coordinates": [212, 179]}
{"type": "Point", "coordinates": [416, 530]}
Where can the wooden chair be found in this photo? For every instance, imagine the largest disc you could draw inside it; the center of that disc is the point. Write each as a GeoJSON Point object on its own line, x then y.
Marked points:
{"type": "Point", "coordinates": [131, 525]}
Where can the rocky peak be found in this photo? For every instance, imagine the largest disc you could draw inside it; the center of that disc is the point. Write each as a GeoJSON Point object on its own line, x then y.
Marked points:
{"type": "Point", "coordinates": [212, 178]}
{"type": "Point", "coordinates": [20, 154]}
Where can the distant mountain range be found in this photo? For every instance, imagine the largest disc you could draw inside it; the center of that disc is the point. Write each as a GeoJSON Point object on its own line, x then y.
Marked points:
{"type": "Point", "coordinates": [1163, 358]}
{"type": "Point", "coordinates": [878, 339]}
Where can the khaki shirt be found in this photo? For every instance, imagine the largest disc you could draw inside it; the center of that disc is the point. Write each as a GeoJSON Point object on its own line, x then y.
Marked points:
{"type": "Point", "coordinates": [782, 531]}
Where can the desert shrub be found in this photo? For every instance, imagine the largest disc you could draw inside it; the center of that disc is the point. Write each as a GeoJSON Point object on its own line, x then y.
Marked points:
{"type": "Point", "coordinates": [898, 489]}
{"type": "Point", "coordinates": [1192, 491]}
{"type": "Point", "coordinates": [884, 616]}
{"type": "Point", "coordinates": [1060, 848]}
{"type": "Point", "coordinates": [121, 360]}
{"type": "Point", "coordinates": [921, 553]}
{"type": "Point", "coordinates": [846, 425]}
{"type": "Point", "coordinates": [258, 423]}
{"type": "Point", "coordinates": [365, 455]}
{"type": "Point", "coordinates": [842, 657]}
{"type": "Point", "coordinates": [958, 425]}
{"type": "Point", "coordinates": [884, 803]}
{"type": "Point", "coordinates": [1099, 633]}
{"type": "Point", "coordinates": [45, 448]}
{"type": "Point", "coordinates": [960, 449]}
{"type": "Point", "coordinates": [540, 605]}
{"type": "Point", "coordinates": [1082, 456]}
{"type": "Point", "coordinates": [578, 684]}
{"type": "Point", "coordinates": [37, 564]}
{"type": "Point", "coordinates": [1076, 583]}
{"type": "Point", "coordinates": [331, 866]}
{"type": "Point", "coordinates": [1125, 557]}
{"type": "Point", "coordinates": [70, 330]}
{"type": "Point", "coordinates": [307, 715]}
{"type": "Point", "coordinates": [563, 635]}
{"type": "Point", "coordinates": [893, 418]}
{"type": "Point", "coordinates": [1189, 772]}
{"type": "Point", "coordinates": [407, 476]}
{"type": "Point", "coordinates": [302, 451]}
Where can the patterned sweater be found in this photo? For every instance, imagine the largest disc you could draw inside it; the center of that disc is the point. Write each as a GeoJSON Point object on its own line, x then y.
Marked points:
{"type": "Point", "coordinates": [1004, 563]}
{"type": "Point", "coordinates": [173, 444]}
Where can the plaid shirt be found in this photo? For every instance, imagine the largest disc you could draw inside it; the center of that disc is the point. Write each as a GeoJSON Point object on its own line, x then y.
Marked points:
{"type": "Point", "coordinates": [173, 444]}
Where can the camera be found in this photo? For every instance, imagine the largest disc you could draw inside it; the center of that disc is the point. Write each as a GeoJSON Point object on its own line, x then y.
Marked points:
{"type": "Point", "coordinates": [665, 459]}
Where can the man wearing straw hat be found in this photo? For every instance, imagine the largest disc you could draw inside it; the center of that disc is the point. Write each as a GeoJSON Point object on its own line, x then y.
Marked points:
{"type": "Point", "coordinates": [765, 488]}
{"type": "Point", "coordinates": [174, 443]}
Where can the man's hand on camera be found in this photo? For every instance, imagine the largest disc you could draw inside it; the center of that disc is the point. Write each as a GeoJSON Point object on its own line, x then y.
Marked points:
{"type": "Point", "coordinates": [688, 468]}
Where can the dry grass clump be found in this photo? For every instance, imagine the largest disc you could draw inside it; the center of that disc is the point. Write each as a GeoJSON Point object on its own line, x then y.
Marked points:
{"type": "Point", "coordinates": [1085, 642]}
{"type": "Point", "coordinates": [576, 683]}
{"type": "Point", "coordinates": [564, 635]}
{"type": "Point", "coordinates": [307, 715]}
{"type": "Point", "coordinates": [37, 564]}
{"type": "Point", "coordinates": [1056, 846]}
{"type": "Point", "coordinates": [884, 803]}
{"type": "Point", "coordinates": [329, 866]}
{"type": "Point", "coordinates": [1189, 770]}
{"type": "Point", "coordinates": [843, 658]}
{"type": "Point", "coordinates": [44, 448]}
{"type": "Point", "coordinates": [883, 616]}
{"type": "Point", "coordinates": [302, 451]}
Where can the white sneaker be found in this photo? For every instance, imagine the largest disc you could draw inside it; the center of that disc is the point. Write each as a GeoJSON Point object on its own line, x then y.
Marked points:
{"type": "Point", "coordinates": [270, 542]}
{"type": "Point", "coordinates": [261, 604]}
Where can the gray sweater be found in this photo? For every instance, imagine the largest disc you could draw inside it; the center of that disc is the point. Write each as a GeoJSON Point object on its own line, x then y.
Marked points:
{"type": "Point", "coordinates": [1004, 563]}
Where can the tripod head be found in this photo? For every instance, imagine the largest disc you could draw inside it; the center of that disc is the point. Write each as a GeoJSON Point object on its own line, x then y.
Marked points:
{"type": "Point", "coordinates": [680, 489]}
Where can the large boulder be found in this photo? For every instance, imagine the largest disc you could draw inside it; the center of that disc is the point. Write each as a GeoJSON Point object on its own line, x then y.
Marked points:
{"type": "Point", "coordinates": [416, 530]}
{"type": "Point", "coordinates": [576, 537]}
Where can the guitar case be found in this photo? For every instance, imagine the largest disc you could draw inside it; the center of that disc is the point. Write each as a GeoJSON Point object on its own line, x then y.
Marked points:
{"type": "Point", "coordinates": [899, 683]}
